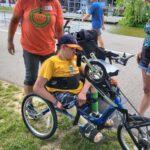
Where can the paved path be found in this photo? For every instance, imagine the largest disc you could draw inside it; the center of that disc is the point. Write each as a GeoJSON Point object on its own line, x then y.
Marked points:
{"type": "Point", "coordinates": [12, 67]}
{"type": "Point", "coordinates": [108, 19]}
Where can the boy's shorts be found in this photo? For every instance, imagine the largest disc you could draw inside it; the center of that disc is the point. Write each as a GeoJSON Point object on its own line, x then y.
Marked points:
{"type": "Point", "coordinates": [67, 99]}
{"type": "Point", "coordinates": [144, 63]}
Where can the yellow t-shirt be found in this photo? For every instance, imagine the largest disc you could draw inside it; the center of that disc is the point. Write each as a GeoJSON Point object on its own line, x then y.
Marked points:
{"type": "Point", "coordinates": [55, 67]}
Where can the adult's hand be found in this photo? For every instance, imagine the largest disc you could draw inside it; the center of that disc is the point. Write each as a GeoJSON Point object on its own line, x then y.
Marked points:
{"type": "Point", "coordinates": [11, 48]}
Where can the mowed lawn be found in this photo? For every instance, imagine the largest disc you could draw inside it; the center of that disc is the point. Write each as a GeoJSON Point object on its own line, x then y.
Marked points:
{"type": "Point", "coordinates": [15, 136]}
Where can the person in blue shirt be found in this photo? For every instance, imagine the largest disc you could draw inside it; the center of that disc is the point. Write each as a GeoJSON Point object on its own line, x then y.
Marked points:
{"type": "Point", "coordinates": [96, 12]}
{"type": "Point", "coordinates": [143, 59]}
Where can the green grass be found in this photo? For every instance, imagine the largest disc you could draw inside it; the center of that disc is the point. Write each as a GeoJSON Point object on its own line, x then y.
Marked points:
{"type": "Point", "coordinates": [7, 9]}
{"type": "Point", "coordinates": [15, 136]}
{"type": "Point", "coordinates": [75, 141]}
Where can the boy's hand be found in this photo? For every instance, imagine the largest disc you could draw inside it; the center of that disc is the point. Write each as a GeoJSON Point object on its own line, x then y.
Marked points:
{"type": "Point", "coordinates": [59, 105]}
{"type": "Point", "coordinates": [138, 58]}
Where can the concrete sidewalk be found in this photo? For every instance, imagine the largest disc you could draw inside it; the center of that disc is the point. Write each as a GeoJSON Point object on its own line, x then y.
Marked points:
{"type": "Point", "coordinates": [130, 80]}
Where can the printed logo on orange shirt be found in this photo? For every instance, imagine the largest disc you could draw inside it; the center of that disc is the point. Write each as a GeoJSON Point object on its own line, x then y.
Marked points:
{"type": "Point", "coordinates": [39, 19]}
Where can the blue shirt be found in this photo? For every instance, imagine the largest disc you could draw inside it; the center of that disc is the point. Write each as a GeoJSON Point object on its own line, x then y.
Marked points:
{"type": "Point", "coordinates": [97, 15]}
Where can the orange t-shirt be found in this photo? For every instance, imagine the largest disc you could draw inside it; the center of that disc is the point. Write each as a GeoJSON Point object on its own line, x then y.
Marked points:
{"type": "Point", "coordinates": [41, 22]}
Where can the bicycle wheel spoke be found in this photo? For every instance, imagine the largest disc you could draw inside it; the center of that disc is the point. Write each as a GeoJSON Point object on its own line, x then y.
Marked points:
{"type": "Point", "coordinates": [38, 116]}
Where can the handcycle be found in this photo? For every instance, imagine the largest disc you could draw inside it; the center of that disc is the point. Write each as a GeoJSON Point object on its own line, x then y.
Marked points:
{"type": "Point", "coordinates": [39, 114]}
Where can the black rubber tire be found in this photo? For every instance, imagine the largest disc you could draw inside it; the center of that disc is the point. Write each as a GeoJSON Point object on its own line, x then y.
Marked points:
{"type": "Point", "coordinates": [53, 112]}
{"type": "Point", "coordinates": [119, 130]}
{"type": "Point", "coordinates": [137, 119]}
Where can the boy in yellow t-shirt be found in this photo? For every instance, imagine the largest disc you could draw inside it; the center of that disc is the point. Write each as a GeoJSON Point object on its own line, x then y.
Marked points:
{"type": "Point", "coordinates": [60, 74]}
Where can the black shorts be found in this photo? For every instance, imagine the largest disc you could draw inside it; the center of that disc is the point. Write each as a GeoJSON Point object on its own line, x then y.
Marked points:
{"type": "Point", "coordinates": [32, 62]}
{"type": "Point", "coordinates": [145, 60]}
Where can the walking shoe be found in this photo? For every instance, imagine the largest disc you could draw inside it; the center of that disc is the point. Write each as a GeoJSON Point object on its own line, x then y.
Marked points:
{"type": "Point", "coordinates": [90, 132]}
{"type": "Point", "coordinates": [31, 111]}
{"type": "Point", "coordinates": [109, 123]}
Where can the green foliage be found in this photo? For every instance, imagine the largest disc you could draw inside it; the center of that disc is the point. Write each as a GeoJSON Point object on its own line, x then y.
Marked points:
{"type": "Point", "coordinates": [8, 8]}
{"type": "Point", "coordinates": [119, 3]}
{"type": "Point", "coordinates": [136, 13]}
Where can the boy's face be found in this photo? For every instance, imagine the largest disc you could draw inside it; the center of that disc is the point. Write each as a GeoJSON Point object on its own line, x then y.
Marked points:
{"type": "Point", "coordinates": [69, 52]}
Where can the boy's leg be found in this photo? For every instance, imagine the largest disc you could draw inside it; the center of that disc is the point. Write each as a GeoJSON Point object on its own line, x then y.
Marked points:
{"type": "Point", "coordinates": [86, 129]}
{"type": "Point", "coordinates": [95, 105]}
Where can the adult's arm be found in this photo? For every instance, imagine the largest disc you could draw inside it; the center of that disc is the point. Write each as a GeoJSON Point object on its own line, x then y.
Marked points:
{"type": "Point", "coordinates": [39, 88]}
{"type": "Point", "coordinates": [11, 32]}
{"type": "Point", "coordinates": [85, 17]}
{"type": "Point", "coordinates": [82, 94]}
{"type": "Point", "coordinates": [90, 12]}
{"type": "Point", "coordinates": [86, 87]}
{"type": "Point", "coordinates": [59, 21]}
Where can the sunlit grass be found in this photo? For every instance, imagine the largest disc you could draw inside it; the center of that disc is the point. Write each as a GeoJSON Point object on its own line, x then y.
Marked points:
{"type": "Point", "coordinates": [15, 136]}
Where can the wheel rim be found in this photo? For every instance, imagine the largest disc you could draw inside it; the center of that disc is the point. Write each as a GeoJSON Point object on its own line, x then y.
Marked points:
{"type": "Point", "coordinates": [140, 135]}
{"type": "Point", "coordinates": [127, 140]}
{"type": "Point", "coordinates": [96, 76]}
{"type": "Point", "coordinates": [40, 121]}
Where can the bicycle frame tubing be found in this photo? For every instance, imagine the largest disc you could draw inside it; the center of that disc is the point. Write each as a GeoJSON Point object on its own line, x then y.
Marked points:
{"type": "Point", "coordinates": [104, 115]}
{"type": "Point", "coordinates": [137, 122]}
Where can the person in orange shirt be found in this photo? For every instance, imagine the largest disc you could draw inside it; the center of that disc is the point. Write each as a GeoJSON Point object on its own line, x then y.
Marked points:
{"type": "Point", "coordinates": [41, 24]}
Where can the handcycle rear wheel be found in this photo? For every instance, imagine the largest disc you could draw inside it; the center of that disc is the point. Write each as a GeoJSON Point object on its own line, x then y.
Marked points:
{"type": "Point", "coordinates": [39, 116]}
{"type": "Point", "coordinates": [140, 134]}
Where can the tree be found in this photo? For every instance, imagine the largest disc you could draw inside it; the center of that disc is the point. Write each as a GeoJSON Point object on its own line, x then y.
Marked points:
{"type": "Point", "coordinates": [136, 12]}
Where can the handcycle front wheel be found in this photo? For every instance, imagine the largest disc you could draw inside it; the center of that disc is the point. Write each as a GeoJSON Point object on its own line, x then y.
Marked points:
{"type": "Point", "coordinates": [39, 116]}
{"type": "Point", "coordinates": [140, 135]}
{"type": "Point", "coordinates": [99, 73]}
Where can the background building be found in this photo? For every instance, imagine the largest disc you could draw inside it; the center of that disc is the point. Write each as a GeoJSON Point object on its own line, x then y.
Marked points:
{"type": "Point", "coordinates": [78, 5]}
